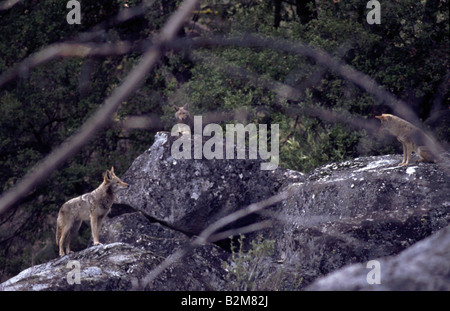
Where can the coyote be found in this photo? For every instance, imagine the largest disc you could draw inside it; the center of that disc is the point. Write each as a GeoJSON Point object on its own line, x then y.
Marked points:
{"type": "Point", "coordinates": [93, 206]}
{"type": "Point", "coordinates": [183, 116]}
{"type": "Point", "coordinates": [411, 137]}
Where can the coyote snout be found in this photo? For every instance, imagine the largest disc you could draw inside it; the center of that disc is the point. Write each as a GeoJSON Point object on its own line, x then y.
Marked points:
{"type": "Point", "coordinates": [93, 206]}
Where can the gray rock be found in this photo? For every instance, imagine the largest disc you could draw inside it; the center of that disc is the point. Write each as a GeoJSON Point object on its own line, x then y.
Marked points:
{"type": "Point", "coordinates": [190, 194]}
{"type": "Point", "coordinates": [356, 211]}
{"type": "Point", "coordinates": [103, 267]}
{"type": "Point", "coordinates": [120, 265]}
{"type": "Point", "coordinates": [340, 214]}
{"type": "Point", "coordinates": [423, 266]}
{"type": "Point", "coordinates": [202, 269]}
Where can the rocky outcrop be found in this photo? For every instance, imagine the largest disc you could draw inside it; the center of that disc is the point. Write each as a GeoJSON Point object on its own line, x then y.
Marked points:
{"type": "Point", "coordinates": [423, 266]}
{"type": "Point", "coordinates": [190, 194]}
{"type": "Point", "coordinates": [134, 247]}
{"type": "Point", "coordinates": [339, 214]}
{"type": "Point", "coordinates": [358, 210]}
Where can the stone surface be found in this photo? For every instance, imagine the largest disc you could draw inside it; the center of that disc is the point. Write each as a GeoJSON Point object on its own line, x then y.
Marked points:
{"type": "Point", "coordinates": [423, 266]}
{"type": "Point", "coordinates": [356, 211]}
{"type": "Point", "coordinates": [338, 215]}
{"type": "Point", "coordinates": [190, 194]}
{"type": "Point", "coordinates": [119, 265]}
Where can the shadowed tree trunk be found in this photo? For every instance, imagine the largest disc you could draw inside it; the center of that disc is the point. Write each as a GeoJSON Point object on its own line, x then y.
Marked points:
{"type": "Point", "coordinates": [277, 13]}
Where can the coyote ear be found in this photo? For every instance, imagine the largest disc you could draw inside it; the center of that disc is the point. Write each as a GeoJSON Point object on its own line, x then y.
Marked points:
{"type": "Point", "coordinates": [107, 176]}
{"type": "Point", "coordinates": [112, 169]}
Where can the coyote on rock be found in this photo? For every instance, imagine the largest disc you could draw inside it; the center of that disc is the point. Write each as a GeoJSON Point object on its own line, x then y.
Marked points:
{"type": "Point", "coordinates": [92, 206]}
{"type": "Point", "coordinates": [411, 137]}
{"type": "Point", "coordinates": [183, 118]}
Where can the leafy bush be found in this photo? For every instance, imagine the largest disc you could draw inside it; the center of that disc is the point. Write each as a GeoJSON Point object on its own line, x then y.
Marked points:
{"type": "Point", "coordinates": [247, 269]}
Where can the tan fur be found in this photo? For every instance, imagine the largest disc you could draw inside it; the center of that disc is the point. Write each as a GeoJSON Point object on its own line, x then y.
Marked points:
{"type": "Point", "coordinates": [183, 116]}
{"type": "Point", "coordinates": [93, 207]}
{"type": "Point", "coordinates": [412, 138]}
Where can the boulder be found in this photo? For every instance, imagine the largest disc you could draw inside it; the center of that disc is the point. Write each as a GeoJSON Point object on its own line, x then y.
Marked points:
{"type": "Point", "coordinates": [355, 211]}
{"type": "Point", "coordinates": [190, 194]}
{"type": "Point", "coordinates": [135, 246]}
{"type": "Point", "coordinates": [339, 214]}
{"type": "Point", "coordinates": [424, 266]}
{"type": "Point", "coordinates": [201, 270]}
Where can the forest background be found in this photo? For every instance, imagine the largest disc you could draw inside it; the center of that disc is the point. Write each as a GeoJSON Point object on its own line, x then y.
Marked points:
{"type": "Point", "coordinates": [407, 54]}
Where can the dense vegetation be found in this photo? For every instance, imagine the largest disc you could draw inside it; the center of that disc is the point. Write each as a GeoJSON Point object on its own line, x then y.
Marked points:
{"type": "Point", "coordinates": [408, 54]}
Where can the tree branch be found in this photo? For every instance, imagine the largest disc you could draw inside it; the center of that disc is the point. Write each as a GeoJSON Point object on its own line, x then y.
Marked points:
{"type": "Point", "coordinates": [7, 4]}
{"type": "Point", "coordinates": [67, 49]}
{"type": "Point", "coordinates": [323, 58]}
{"type": "Point", "coordinates": [102, 116]}
{"type": "Point", "coordinates": [209, 234]}
{"type": "Point", "coordinates": [64, 49]}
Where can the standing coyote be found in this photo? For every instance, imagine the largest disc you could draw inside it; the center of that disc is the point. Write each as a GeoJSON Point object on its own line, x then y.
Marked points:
{"type": "Point", "coordinates": [93, 206]}
{"type": "Point", "coordinates": [411, 137]}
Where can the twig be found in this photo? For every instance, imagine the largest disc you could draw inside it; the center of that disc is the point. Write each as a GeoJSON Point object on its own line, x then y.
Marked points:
{"type": "Point", "coordinates": [64, 49]}
{"type": "Point", "coordinates": [210, 235]}
{"type": "Point", "coordinates": [323, 58]}
{"type": "Point", "coordinates": [7, 4]}
{"type": "Point", "coordinates": [123, 16]}
{"type": "Point", "coordinates": [285, 91]}
{"type": "Point", "coordinates": [67, 49]}
{"type": "Point", "coordinates": [242, 230]}
{"type": "Point", "coordinates": [103, 114]}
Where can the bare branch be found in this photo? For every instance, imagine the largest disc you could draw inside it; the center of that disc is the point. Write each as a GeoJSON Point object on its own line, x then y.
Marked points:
{"type": "Point", "coordinates": [140, 122]}
{"type": "Point", "coordinates": [321, 57]}
{"type": "Point", "coordinates": [318, 55]}
{"type": "Point", "coordinates": [242, 230]}
{"type": "Point", "coordinates": [64, 49]}
{"type": "Point", "coordinates": [7, 4]}
{"type": "Point", "coordinates": [210, 235]}
{"type": "Point", "coordinates": [68, 49]}
{"type": "Point", "coordinates": [102, 116]}
{"type": "Point", "coordinates": [124, 15]}
{"type": "Point", "coordinates": [287, 92]}
{"type": "Point", "coordinates": [283, 90]}
{"type": "Point", "coordinates": [198, 29]}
